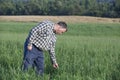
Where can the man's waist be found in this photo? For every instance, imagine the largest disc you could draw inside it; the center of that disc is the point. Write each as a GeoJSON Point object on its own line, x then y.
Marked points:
{"type": "Point", "coordinates": [37, 47]}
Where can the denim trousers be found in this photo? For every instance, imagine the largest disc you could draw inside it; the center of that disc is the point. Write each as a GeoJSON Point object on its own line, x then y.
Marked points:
{"type": "Point", "coordinates": [33, 58]}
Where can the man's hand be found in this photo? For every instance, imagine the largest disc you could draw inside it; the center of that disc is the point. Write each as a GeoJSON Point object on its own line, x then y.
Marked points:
{"type": "Point", "coordinates": [55, 65]}
{"type": "Point", "coordinates": [29, 47]}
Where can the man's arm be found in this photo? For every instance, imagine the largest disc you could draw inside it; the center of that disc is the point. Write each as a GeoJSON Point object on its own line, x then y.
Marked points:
{"type": "Point", "coordinates": [32, 36]}
{"type": "Point", "coordinates": [52, 57]}
{"type": "Point", "coordinates": [34, 32]}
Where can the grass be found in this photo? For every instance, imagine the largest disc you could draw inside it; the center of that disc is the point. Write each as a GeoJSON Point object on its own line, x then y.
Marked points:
{"type": "Point", "coordinates": [88, 51]}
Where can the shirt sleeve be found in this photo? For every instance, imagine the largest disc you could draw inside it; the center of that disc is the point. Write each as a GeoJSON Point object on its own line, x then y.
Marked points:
{"type": "Point", "coordinates": [40, 28]}
{"type": "Point", "coordinates": [52, 54]}
{"type": "Point", "coordinates": [32, 35]}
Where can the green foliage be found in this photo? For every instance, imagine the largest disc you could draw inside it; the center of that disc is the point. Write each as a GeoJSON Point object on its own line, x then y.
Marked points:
{"type": "Point", "coordinates": [86, 52]}
{"type": "Point", "coordinates": [101, 8]}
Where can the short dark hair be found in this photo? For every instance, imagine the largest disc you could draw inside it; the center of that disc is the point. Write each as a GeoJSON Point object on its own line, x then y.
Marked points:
{"type": "Point", "coordinates": [62, 24]}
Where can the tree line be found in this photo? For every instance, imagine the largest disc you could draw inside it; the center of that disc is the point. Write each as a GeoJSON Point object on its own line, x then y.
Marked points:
{"type": "Point", "coordinates": [99, 8]}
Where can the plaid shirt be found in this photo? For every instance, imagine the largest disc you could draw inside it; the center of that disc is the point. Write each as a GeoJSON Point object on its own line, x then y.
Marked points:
{"type": "Point", "coordinates": [43, 37]}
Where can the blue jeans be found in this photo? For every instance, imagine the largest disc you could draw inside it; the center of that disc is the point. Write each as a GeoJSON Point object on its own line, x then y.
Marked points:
{"type": "Point", "coordinates": [33, 57]}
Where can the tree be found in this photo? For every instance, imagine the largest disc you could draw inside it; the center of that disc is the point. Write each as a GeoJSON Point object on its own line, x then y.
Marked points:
{"type": "Point", "coordinates": [101, 8]}
{"type": "Point", "coordinates": [117, 7]}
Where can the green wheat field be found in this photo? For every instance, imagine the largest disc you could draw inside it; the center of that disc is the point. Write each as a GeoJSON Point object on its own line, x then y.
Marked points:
{"type": "Point", "coordinates": [88, 51]}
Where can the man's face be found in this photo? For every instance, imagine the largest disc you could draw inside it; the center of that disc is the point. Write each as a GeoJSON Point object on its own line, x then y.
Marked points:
{"type": "Point", "coordinates": [60, 30]}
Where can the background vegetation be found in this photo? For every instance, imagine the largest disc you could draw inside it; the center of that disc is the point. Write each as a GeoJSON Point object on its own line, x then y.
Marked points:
{"type": "Point", "coordinates": [100, 8]}
{"type": "Point", "coordinates": [88, 51]}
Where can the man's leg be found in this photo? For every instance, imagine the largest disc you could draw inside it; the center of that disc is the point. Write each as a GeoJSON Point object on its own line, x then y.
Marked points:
{"type": "Point", "coordinates": [39, 65]}
{"type": "Point", "coordinates": [28, 60]}
{"type": "Point", "coordinates": [39, 62]}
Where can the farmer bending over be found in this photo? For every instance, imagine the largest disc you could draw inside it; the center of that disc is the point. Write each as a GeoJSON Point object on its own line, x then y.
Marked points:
{"type": "Point", "coordinates": [42, 37]}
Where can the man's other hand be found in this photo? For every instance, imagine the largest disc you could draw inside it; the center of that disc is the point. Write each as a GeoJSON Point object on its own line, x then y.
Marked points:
{"type": "Point", "coordinates": [55, 65]}
{"type": "Point", "coordinates": [29, 47]}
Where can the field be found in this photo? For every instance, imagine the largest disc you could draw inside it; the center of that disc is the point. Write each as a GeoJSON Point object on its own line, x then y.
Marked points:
{"type": "Point", "coordinates": [88, 51]}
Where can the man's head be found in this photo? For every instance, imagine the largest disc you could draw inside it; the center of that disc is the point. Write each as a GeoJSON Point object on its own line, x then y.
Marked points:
{"type": "Point", "coordinates": [60, 27]}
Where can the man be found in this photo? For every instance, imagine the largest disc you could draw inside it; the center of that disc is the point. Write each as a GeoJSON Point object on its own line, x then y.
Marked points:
{"type": "Point", "coordinates": [42, 37]}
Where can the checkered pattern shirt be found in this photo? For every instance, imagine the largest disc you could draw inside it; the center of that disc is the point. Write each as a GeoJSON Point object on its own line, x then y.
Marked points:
{"type": "Point", "coordinates": [43, 37]}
